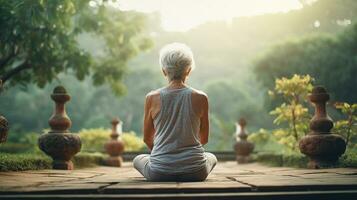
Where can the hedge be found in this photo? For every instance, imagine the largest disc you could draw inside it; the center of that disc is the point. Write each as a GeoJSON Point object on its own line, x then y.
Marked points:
{"type": "Point", "coordinates": [20, 162]}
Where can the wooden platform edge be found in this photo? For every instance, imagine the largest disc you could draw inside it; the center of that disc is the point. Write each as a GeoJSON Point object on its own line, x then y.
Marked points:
{"type": "Point", "coordinates": [307, 195]}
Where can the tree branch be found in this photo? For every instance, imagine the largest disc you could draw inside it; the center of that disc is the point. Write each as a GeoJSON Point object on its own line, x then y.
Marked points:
{"type": "Point", "coordinates": [15, 71]}
{"type": "Point", "coordinates": [5, 61]}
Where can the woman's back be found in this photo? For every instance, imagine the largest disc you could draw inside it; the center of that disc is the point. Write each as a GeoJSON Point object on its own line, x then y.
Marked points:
{"type": "Point", "coordinates": [176, 124]}
{"type": "Point", "coordinates": [177, 148]}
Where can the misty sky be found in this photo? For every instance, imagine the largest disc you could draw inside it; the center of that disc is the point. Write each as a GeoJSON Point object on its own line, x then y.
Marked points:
{"type": "Point", "coordinates": [181, 15]}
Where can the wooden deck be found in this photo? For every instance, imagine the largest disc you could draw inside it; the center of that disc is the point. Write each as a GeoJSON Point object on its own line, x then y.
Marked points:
{"type": "Point", "coordinates": [227, 181]}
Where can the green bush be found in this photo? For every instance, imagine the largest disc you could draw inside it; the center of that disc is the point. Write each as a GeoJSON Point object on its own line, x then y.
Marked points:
{"type": "Point", "coordinates": [271, 159]}
{"type": "Point", "coordinates": [132, 142]}
{"type": "Point", "coordinates": [9, 147]}
{"type": "Point", "coordinates": [349, 159]}
{"type": "Point", "coordinates": [20, 162]}
{"type": "Point", "coordinates": [88, 160]}
{"type": "Point", "coordinates": [27, 143]}
{"type": "Point", "coordinates": [265, 141]}
{"type": "Point", "coordinates": [295, 160]}
{"type": "Point", "coordinates": [279, 160]}
{"type": "Point", "coordinates": [93, 140]}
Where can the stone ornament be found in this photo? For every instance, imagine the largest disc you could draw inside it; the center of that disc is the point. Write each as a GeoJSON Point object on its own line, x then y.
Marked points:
{"type": "Point", "coordinates": [4, 124]}
{"type": "Point", "coordinates": [4, 128]}
{"type": "Point", "coordinates": [320, 145]}
{"type": "Point", "coordinates": [115, 146]}
{"type": "Point", "coordinates": [59, 143]}
{"type": "Point", "coordinates": [242, 147]}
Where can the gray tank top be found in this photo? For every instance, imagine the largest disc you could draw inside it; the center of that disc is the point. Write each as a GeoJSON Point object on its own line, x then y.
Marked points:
{"type": "Point", "coordinates": [177, 148]}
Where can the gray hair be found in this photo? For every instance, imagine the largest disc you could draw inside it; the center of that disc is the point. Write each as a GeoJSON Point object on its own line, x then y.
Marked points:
{"type": "Point", "coordinates": [175, 59]}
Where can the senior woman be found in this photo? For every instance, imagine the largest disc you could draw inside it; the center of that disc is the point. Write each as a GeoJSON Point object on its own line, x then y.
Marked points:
{"type": "Point", "coordinates": [176, 124]}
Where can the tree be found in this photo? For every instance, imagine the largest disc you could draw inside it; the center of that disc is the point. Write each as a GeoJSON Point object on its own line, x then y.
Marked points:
{"type": "Point", "coordinates": [38, 39]}
{"type": "Point", "coordinates": [330, 59]}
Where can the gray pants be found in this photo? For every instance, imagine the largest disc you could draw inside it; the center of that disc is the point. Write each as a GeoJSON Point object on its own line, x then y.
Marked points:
{"type": "Point", "coordinates": [142, 164]}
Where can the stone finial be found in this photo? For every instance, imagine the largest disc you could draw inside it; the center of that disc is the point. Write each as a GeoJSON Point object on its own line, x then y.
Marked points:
{"type": "Point", "coordinates": [115, 134]}
{"type": "Point", "coordinates": [59, 121]}
{"type": "Point", "coordinates": [4, 124]}
{"type": "Point", "coordinates": [240, 129]}
{"type": "Point", "coordinates": [4, 128]}
{"type": "Point", "coordinates": [242, 147]}
{"type": "Point", "coordinates": [115, 146]}
{"type": "Point", "coordinates": [58, 142]}
{"type": "Point", "coordinates": [320, 145]}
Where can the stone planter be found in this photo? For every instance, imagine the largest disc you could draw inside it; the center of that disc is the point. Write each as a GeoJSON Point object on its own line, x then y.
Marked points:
{"type": "Point", "coordinates": [242, 147]}
{"type": "Point", "coordinates": [320, 145]}
{"type": "Point", "coordinates": [115, 146]}
{"type": "Point", "coordinates": [58, 143]}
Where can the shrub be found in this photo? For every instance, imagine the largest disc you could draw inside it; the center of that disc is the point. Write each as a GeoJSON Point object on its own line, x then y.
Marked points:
{"type": "Point", "coordinates": [264, 141]}
{"type": "Point", "coordinates": [19, 162]}
{"type": "Point", "coordinates": [132, 142]}
{"type": "Point", "coordinates": [10, 147]}
{"type": "Point", "coordinates": [279, 160]}
{"type": "Point", "coordinates": [349, 159]}
{"type": "Point", "coordinates": [347, 127]}
{"type": "Point", "coordinates": [292, 112]}
{"type": "Point", "coordinates": [93, 140]}
{"type": "Point", "coordinates": [271, 159]}
{"type": "Point", "coordinates": [295, 160]}
{"type": "Point", "coordinates": [87, 159]}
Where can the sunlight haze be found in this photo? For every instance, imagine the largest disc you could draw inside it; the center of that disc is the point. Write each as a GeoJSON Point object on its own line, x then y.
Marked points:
{"type": "Point", "coordinates": [182, 15]}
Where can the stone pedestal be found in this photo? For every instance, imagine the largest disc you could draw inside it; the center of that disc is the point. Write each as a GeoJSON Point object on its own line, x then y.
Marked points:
{"type": "Point", "coordinates": [242, 147]}
{"type": "Point", "coordinates": [4, 124]}
{"type": "Point", "coordinates": [58, 142]}
{"type": "Point", "coordinates": [320, 145]}
{"type": "Point", "coordinates": [115, 146]}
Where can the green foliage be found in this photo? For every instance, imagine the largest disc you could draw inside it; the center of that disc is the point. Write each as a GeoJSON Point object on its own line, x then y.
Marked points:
{"type": "Point", "coordinates": [39, 39]}
{"type": "Point", "coordinates": [132, 142]}
{"type": "Point", "coordinates": [292, 112]}
{"type": "Point", "coordinates": [286, 138]}
{"type": "Point", "coordinates": [93, 140]}
{"type": "Point", "coordinates": [80, 108]}
{"type": "Point", "coordinates": [20, 162]}
{"type": "Point", "coordinates": [349, 158]}
{"type": "Point", "coordinates": [11, 147]}
{"type": "Point", "coordinates": [329, 58]}
{"type": "Point", "coordinates": [26, 144]}
{"type": "Point", "coordinates": [279, 160]}
{"type": "Point", "coordinates": [264, 141]}
{"type": "Point", "coordinates": [347, 127]}
{"type": "Point", "coordinates": [82, 160]}
{"type": "Point", "coordinates": [224, 61]}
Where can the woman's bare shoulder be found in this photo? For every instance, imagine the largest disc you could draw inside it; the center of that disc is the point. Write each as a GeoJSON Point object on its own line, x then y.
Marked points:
{"type": "Point", "coordinates": [199, 94]}
{"type": "Point", "coordinates": [153, 95]}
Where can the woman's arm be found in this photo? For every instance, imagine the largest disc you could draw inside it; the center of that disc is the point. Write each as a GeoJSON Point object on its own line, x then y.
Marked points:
{"type": "Point", "coordinates": [204, 127]}
{"type": "Point", "coordinates": [149, 129]}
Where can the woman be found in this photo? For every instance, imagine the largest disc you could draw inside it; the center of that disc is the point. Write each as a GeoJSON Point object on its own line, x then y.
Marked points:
{"type": "Point", "coordinates": [176, 124]}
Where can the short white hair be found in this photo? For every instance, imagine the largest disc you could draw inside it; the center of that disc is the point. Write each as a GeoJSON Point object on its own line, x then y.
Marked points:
{"type": "Point", "coordinates": [175, 59]}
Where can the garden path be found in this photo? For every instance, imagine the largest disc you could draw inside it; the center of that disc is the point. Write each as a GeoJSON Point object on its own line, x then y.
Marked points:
{"type": "Point", "coordinates": [227, 181]}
